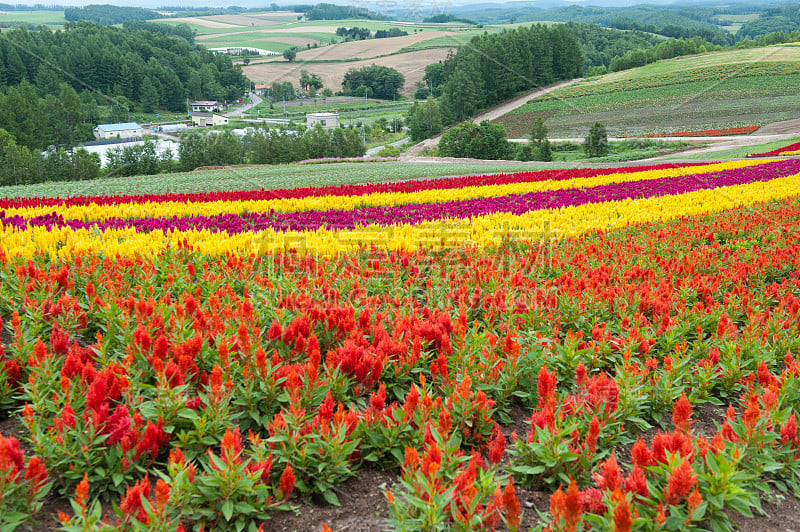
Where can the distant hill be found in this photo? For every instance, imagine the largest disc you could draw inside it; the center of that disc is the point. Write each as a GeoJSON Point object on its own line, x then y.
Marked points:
{"type": "Point", "coordinates": [712, 91]}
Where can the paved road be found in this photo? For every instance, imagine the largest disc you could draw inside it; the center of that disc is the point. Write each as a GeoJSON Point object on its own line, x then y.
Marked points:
{"type": "Point", "coordinates": [254, 100]}
{"type": "Point", "coordinates": [396, 144]}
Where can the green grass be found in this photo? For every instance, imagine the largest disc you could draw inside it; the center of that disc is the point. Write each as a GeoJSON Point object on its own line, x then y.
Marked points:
{"type": "Point", "coordinates": [51, 19]}
{"type": "Point", "coordinates": [349, 112]}
{"type": "Point", "coordinates": [440, 42]}
{"type": "Point", "coordinates": [255, 178]}
{"type": "Point", "coordinates": [757, 55]}
{"type": "Point", "coordinates": [621, 151]}
{"type": "Point", "coordinates": [746, 150]}
{"type": "Point", "coordinates": [720, 96]}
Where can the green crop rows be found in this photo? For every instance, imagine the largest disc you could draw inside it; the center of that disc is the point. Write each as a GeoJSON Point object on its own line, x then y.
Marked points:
{"type": "Point", "coordinates": [742, 94]}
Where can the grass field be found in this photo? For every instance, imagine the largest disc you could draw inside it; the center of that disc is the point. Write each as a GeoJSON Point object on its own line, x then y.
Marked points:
{"type": "Point", "coordinates": [51, 19]}
{"type": "Point", "coordinates": [687, 94]}
{"type": "Point", "coordinates": [746, 150]}
{"type": "Point", "coordinates": [255, 178]}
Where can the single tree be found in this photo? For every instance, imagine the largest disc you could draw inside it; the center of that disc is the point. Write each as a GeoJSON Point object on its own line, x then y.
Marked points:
{"type": "Point", "coordinates": [596, 143]}
{"type": "Point", "coordinates": [289, 54]}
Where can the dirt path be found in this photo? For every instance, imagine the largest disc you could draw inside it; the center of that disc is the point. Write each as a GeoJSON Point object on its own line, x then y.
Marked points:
{"type": "Point", "coordinates": [491, 114]}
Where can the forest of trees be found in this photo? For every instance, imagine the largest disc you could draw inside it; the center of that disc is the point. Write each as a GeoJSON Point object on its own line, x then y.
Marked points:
{"type": "Point", "coordinates": [784, 19]}
{"type": "Point", "coordinates": [521, 59]}
{"type": "Point", "coordinates": [134, 69]}
{"type": "Point", "coordinates": [108, 15]}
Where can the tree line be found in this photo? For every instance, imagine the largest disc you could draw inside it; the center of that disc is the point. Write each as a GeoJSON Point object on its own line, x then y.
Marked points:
{"type": "Point", "coordinates": [108, 14]}
{"type": "Point", "coordinates": [20, 165]}
{"type": "Point", "coordinates": [494, 67]}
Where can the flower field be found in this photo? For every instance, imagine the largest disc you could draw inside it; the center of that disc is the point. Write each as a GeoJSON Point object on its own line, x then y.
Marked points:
{"type": "Point", "coordinates": [792, 149]}
{"type": "Point", "coordinates": [746, 130]}
{"type": "Point", "coordinates": [213, 360]}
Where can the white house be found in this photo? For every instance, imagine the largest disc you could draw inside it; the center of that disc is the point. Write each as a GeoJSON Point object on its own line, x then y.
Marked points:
{"type": "Point", "coordinates": [262, 88]}
{"type": "Point", "coordinates": [123, 130]}
{"type": "Point", "coordinates": [328, 120]}
{"type": "Point", "coordinates": [206, 106]}
{"type": "Point", "coordinates": [208, 119]}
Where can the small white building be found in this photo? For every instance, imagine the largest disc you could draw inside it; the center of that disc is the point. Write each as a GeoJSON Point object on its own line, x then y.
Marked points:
{"type": "Point", "coordinates": [206, 106]}
{"type": "Point", "coordinates": [208, 119]}
{"type": "Point", "coordinates": [328, 120]}
{"type": "Point", "coordinates": [123, 130]}
{"type": "Point", "coordinates": [171, 128]}
{"type": "Point", "coordinates": [262, 88]}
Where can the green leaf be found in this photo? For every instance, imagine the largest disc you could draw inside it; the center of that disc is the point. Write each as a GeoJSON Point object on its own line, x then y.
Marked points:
{"type": "Point", "coordinates": [227, 509]}
{"type": "Point", "coordinates": [331, 498]}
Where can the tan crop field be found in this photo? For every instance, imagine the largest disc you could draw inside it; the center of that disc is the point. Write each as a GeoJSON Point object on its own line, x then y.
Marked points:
{"type": "Point", "coordinates": [411, 65]}
{"type": "Point", "coordinates": [206, 23]}
{"type": "Point", "coordinates": [368, 48]}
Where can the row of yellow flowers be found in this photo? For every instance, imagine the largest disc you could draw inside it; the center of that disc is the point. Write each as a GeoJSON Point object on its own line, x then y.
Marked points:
{"type": "Point", "coordinates": [379, 199]}
{"type": "Point", "coordinates": [478, 231]}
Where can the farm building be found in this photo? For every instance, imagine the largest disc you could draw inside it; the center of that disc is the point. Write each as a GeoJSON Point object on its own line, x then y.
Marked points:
{"type": "Point", "coordinates": [122, 130]}
{"type": "Point", "coordinates": [328, 120]}
{"type": "Point", "coordinates": [171, 128]}
{"type": "Point", "coordinates": [208, 119]}
{"type": "Point", "coordinates": [262, 89]}
{"type": "Point", "coordinates": [206, 106]}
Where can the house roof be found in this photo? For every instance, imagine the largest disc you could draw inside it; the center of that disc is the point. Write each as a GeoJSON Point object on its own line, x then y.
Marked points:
{"type": "Point", "coordinates": [323, 115]}
{"type": "Point", "coordinates": [263, 86]}
{"type": "Point", "coordinates": [205, 103]}
{"type": "Point", "coordinates": [196, 113]}
{"type": "Point", "coordinates": [123, 126]}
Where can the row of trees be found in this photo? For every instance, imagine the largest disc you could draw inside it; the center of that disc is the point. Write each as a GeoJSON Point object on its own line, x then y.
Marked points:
{"type": "Point", "coordinates": [261, 146]}
{"type": "Point", "coordinates": [20, 165]}
{"type": "Point", "coordinates": [108, 14]}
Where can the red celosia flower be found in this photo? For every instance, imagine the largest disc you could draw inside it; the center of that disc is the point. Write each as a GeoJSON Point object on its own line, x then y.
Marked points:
{"type": "Point", "coordinates": [695, 500]}
{"type": "Point", "coordinates": [680, 482]}
{"type": "Point", "coordinates": [497, 447]}
{"type": "Point", "coordinates": [411, 460]}
{"type": "Point", "coordinates": [82, 491]}
{"type": "Point", "coordinates": [637, 482]}
{"type": "Point", "coordinates": [789, 431]}
{"type": "Point", "coordinates": [622, 512]}
{"type": "Point", "coordinates": [546, 385]}
{"type": "Point", "coordinates": [608, 478]}
{"type": "Point", "coordinates": [377, 400]}
{"type": "Point", "coordinates": [590, 445]}
{"type": "Point", "coordinates": [35, 473]}
{"type": "Point", "coordinates": [11, 456]}
{"type": "Point", "coordinates": [231, 446]}
{"type": "Point", "coordinates": [162, 493]}
{"type": "Point", "coordinates": [131, 503]}
{"type": "Point", "coordinates": [566, 507]}
{"type": "Point", "coordinates": [681, 412]}
{"type": "Point", "coordinates": [286, 483]}
{"type": "Point", "coordinates": [511, 505]}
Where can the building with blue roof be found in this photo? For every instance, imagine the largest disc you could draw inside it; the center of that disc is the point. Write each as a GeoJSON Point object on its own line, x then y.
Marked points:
{"type": "Point", "coordinates": [123, 130]}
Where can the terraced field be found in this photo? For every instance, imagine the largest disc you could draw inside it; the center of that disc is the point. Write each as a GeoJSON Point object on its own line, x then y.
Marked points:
{"type": "Point", "coordinates": [686, 94]}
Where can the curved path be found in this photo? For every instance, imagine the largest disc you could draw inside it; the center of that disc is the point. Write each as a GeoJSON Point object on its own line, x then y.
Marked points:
{"type": "Point", "coordinates": [491, 114]}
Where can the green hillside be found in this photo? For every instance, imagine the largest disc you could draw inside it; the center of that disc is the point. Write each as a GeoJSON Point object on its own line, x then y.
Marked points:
{"type": "Point", "coordinates": [712, 91]}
